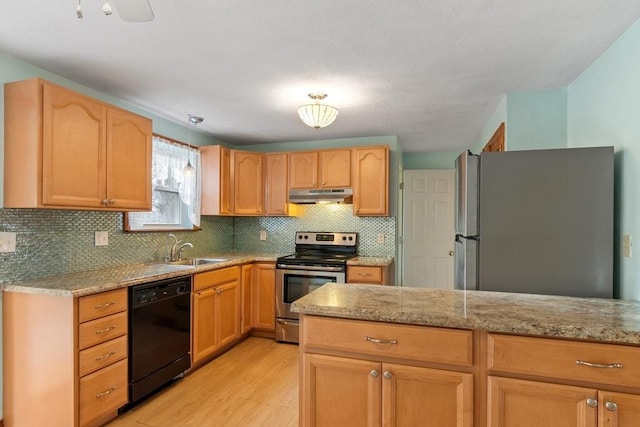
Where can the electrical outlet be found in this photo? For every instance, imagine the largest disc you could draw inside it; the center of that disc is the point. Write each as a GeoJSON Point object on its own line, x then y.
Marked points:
{"type": "Point", "coordinates": [102, 238]}
{"type": "Point", "coordinates": [626, 246]}
{"type": "Point", "coordinates": [380, 238]}
{"type": "Point", "coordinates": [7, 242]}
{"type": "Point", "coordinates": [263, 235]}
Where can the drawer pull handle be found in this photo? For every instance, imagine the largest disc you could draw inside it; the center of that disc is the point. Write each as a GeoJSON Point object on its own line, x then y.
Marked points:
{"type": "Point", "coordinates": [105, 305]}
{"type": "Point", "coordinates": [365, 274]}
{"type": "Point", "coordinates": [105, 330]}
{"type": "Point", "coordinates": [598, 365]}
{"type": "Point", "coordinates": [377, 341]}
{"type": "Point", "coordinates": [611, 406]}
{"type": "Point", "coordinates": [592, 403]}
{"type": "Point", "coordinates": [104, 393]}
{"type": "Point", "coordinates": [106, 356]}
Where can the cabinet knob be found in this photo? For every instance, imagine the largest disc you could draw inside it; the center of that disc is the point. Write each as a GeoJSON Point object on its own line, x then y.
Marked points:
{"type": "Point", "coordinates": [112, 202]}
{"type": "Point", "coordinates": [387, 375]}
{"type": "Point", "coordinates": [592, 403]}
{"type": "Point", "coordinates": [324, 183]}
{"type": "Point", "coordinates": [105, 202]}
{"type": "Point", "coordinates": [611, 406]}
{"type": "Point", "coordinates": [374, 373]}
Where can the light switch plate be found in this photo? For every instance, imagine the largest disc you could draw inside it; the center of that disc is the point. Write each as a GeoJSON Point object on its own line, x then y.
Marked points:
{"type": "Point", "coordinates": [380, 238]}
{"type": "Point", "coordinates": [626, 246]}
{"type": "Point", "coordinates": [263, 235]}
{"type": "Point", "coordinates": [102, 238]}
{"type": "Point", "coordinates": [7, 242]}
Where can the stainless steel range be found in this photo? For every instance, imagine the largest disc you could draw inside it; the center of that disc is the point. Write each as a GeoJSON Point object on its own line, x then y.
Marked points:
{"type": "Point", "coordinates": [319, 258]}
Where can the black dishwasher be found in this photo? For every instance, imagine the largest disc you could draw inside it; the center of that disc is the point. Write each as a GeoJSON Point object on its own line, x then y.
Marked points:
{"type": "Point", "coordinates": [159, 334]}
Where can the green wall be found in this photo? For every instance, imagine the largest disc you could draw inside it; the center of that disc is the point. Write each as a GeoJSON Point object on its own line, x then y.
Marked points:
{"type": "Point", "coordinates": [537, 119]}
{"type": "Point", "coordinates": [604, 109]}
{"type": "Point", "coordinates": [430, 160]}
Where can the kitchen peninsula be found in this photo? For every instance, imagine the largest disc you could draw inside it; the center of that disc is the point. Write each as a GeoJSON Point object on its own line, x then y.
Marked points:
{"type": "Point", "coordinates": [393, 356]}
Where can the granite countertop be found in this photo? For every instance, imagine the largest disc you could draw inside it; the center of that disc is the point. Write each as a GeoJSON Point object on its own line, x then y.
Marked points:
{"type": "Point", "coordinates": [91, 282]}
{"type": "Point", "coordinates": [382, 261]}
{"type": "Point", "coordinates": [606, 320]}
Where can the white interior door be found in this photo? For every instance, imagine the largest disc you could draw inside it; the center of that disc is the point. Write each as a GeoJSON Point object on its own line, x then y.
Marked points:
{"type": "Point", "coordinates": [428, 235]}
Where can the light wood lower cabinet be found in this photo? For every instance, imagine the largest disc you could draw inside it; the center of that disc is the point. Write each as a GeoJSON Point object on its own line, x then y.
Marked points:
{"type": "Point", "coordinates": [522, 403]}
{"type": "Point", "coordinates": [246, 281]}
{"type": "Point", "coordinates": [350, 374]}
{"type": "Point", "coordinates": [373, 275]}
{"type": "Point", "coordinates": [561, 383]}
{"type": "Point", "coordinates": [264, 297]}
{"type": "Point", "coordinates": [55, 372]}
{"type": "Point", "coordinates": [216, 311]}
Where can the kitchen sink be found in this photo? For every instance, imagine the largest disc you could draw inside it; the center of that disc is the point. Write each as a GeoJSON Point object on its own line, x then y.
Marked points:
{"type": "Point", "coordinates": [197, 261]}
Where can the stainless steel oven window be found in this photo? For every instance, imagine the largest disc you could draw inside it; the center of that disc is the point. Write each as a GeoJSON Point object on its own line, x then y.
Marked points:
{"type": "Point", "coordinates": [293, 284]}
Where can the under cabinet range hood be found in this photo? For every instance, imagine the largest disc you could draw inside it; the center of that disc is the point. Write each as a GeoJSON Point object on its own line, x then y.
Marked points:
{"type": "Point", "coordinates": [311, 196]}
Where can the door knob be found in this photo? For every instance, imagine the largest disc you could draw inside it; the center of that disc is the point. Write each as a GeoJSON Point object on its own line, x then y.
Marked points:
{"type": "Point", "coordinates": [450, 253]}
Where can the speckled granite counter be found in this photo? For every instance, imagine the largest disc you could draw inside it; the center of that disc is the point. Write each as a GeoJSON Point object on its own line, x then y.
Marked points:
{"type": "Point", "coordinates": [91, 282]}
{"type": "Point", "coordinates": [371, 260]}
{"type": "Point", "coordinates": [551, 316]}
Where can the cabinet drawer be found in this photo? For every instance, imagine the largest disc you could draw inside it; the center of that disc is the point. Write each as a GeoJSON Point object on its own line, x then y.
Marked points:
{"type": "Point", "coordinates": [103, 392]}
{"type": "Point", "coordinates": [360, 274]}
{"type": "Point", "coordinates": [560, 359]}
{"type": "Point", "coordinates": [421, 343]}
{"type": "Point", "coordinates": [101, 355]}
{"type": "Point", "coordinates": [101, 330]}
{"type": "Point", "coordinates": [215, 277]}
{"type": "Point", "coordinates": [98, 305]}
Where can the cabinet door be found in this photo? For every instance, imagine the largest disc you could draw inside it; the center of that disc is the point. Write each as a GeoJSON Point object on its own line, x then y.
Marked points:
{"type": "Point", "coordinates": [335, 168]}
{"type": "Point", "coordinates": [303, 169]}
{"type": "Point", "coordinates": [128, 160]}
{"type": "Point", "coordinates": [217, 188]}
{"type": "Point", "coordinates": [276, 185]}
{"type": "Point", "coordinates": [412, 395]}
{"type": "Point", "coordinates": [519, 403]}
{"type": "Point", "coordinates": [618, 409]}
{"type": "Point", "coordinates": [247, 183]}
{"type": "Point", "coordinates": [73, 149]}
{"type": "Point", "coordinates": [204, 312]}
{"type": "Point", "coordinates": [227, 319]}
{"type": "Point", "coordinates": [340, 392]}
{"type": "Point", "coordinates": [265, 296]}
{"type": "Point", "coordinates": [371, 181]}
{"type": "Point", "coordinates": [246, 278]}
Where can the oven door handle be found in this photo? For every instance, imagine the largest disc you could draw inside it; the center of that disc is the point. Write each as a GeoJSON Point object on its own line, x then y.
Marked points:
{"type": "Point", "coordinates": [294, 268]}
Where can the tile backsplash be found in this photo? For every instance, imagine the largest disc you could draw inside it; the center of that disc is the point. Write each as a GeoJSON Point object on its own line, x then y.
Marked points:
{"type": "Point", "coordinates": [51, 242]}
{"type": "Point", "coordinates": [333, 217]}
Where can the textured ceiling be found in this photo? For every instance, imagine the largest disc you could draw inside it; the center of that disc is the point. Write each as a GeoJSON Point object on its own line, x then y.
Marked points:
{"type": "Point", "coordinates": [431, 72]}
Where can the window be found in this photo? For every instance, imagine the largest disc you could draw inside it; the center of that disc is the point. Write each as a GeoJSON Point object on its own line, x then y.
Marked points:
{"type": "Point", "coordinates": [176, 189]}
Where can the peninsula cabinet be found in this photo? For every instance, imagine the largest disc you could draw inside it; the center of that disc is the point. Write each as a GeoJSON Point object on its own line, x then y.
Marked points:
{"type": "Point", "coordinates": [65, 150]}
{"type": "Point", "coordinates": [371, 181]}
{"type": "Point", "coordinates": [64, 358]}
{"type": "Point", "coordinates": [217, 187]}
{"type": "Point", "coordinates": [558, 383]}
{"type": "Point", "coordinates": [320, 169]}
{"type": "Point", "coordinates": [371, 373]}
{"type": "Point", "coordinates": [216, 311]}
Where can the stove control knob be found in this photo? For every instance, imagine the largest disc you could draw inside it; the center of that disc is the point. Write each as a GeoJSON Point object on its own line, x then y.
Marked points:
{"type": "Point", "coordinates": [306, 237]}
{"type": "Point", "coordinates": [344, 237]}
{"type": "Point", "coordinates": [350, 237]}
{"type": "Point", "coordinates": [300, 236]}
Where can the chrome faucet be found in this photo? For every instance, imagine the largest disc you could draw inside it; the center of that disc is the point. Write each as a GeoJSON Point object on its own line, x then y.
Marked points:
{"type": "Point", "coordinates": [175, 252]}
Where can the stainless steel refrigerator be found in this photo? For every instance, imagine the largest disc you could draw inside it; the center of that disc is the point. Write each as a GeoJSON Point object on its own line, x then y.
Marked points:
{"type": "Point", "coordinates": [537, 222]}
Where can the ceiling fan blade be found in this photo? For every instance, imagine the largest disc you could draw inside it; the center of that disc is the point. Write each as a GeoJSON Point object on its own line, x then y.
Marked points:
{"type": "Point", "coordinates": [134, 10]}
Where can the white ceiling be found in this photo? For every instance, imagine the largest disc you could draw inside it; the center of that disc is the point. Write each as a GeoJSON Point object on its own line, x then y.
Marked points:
{"type": "Point", "coordinates": [431, 72]}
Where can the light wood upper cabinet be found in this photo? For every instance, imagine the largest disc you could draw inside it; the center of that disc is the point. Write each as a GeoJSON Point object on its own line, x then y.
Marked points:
{"type": "Point", "coordinates": [217, 187]}
{"type": "Point", "coordinates": [320, 169]}
{"type": "Point", "coordinates": [276, 200]}
{"type": "Point", "coordinates": [371, 181]}
{"type": "Point", "coordinates": [248, 187]}
{"type": "Point", "coordinates": [65, 150]}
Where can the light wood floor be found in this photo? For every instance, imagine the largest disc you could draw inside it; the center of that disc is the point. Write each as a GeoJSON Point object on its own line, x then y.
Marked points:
{"type": "Point", "coordinates": [253, 384]}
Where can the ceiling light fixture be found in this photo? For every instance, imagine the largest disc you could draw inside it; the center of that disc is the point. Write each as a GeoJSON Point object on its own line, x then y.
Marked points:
{"type": "Point", "coordinates": [317, 115]}
{"type": "Point", "coordinates": [106, 8]}
{"type": "Point", "coordinates": [189, 170]}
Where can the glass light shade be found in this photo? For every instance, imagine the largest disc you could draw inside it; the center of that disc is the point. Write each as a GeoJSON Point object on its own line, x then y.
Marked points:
{"type": "Point", "coordinates": [189, 170]}
{"type": "Point", "coordinates": [317, 115]}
